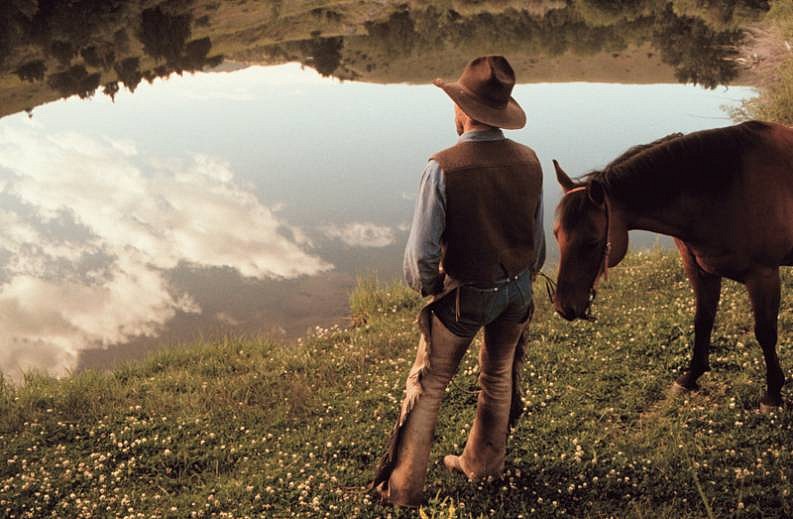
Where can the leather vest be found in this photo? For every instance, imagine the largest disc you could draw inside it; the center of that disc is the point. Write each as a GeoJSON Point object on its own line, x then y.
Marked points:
{"type": "Point", "coordinates": [492, 193]}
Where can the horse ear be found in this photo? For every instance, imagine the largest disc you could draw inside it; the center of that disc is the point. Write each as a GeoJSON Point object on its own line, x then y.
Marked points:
{"type": "Point", "coordinates": [564, 180]}
{"type": "Point", "coordinates": [596, 193]}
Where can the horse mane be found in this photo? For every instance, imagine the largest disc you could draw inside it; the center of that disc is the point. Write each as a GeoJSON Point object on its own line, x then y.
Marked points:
{"type": "Point", "coordinates": [650, 176]}
{"type": "Point", "coordinates": [635, 150]}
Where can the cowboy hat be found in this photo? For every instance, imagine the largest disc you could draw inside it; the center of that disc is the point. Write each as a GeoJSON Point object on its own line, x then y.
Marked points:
{"type": "Point", "coordinates": [484, 90]}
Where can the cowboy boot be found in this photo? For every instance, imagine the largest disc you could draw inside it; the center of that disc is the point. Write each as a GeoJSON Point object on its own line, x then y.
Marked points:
{"type": "Point", "coordinates": [405, 485]}
{"type": "Point", "coordinates": [485, 450]}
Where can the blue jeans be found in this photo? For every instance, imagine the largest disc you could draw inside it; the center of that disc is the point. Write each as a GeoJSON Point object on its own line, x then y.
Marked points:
{"type": "Point", "coordinates": [465, 310]}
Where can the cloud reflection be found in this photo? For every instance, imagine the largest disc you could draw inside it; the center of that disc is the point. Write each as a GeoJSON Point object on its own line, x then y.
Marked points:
{"type": "Point", "coordinates": [92, 226]}
{"type": "Point", "coordinates": [361, 234]}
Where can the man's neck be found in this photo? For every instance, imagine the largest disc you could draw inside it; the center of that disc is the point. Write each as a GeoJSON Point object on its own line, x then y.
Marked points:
{"type": "Point", "coordinates": [477, 127]}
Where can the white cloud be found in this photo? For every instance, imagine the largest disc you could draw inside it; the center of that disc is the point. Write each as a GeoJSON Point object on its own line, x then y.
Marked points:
{"type": "Point", "coordinates": [45, 323]}
{"type": "Point", "coordinates": [146, 216]}
{"type": "Point", "coordinates": [361, 234]}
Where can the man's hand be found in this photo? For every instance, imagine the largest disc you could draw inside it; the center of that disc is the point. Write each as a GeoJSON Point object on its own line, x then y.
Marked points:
{"type": "Point", "coordinates": [436, 287]}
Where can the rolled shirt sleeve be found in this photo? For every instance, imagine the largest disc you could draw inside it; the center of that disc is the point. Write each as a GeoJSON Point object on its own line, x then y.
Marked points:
{"type": "Point", "coordinates": [423, 251]}
{"type": "Point", "coordinates": [539, 237]}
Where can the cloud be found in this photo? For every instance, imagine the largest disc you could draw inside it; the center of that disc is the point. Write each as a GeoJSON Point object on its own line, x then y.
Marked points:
{"type": "Point", "coordinates": [360, 234]}
{"type": "Point", "coordinates": [91, 228]}
{"type": "Point", "coordinates": [45, 323]}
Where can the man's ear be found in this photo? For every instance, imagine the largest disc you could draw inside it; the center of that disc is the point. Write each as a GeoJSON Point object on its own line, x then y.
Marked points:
{"type": "Point", "coordinates": [596, 192]}
{"type": "Point", "coordinates": [564, 180]}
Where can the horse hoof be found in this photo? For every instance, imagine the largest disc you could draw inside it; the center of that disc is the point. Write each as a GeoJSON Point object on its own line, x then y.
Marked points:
{"type": "Point", "coordinates": [679, 389]}
{"type": "Point", "coordinates": [768, 409]}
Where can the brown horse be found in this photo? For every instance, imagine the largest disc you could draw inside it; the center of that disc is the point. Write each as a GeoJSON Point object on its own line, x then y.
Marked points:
{"type": "Point", "coordinates": [725, 195]}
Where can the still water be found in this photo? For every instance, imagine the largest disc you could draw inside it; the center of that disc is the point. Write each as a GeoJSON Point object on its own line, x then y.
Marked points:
{"type": "Point", "coordinates": [246, 198]}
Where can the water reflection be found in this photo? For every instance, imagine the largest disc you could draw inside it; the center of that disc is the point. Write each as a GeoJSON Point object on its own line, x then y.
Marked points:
{"type": "Point", "coordinates": [88, 246]}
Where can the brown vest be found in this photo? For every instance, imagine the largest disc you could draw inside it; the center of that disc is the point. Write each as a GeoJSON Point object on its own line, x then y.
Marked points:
{"type": "Point", "coordinates": [492, 192]}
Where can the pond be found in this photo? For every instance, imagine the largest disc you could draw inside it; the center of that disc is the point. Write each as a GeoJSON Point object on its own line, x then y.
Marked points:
{"type": "Point", "coordinates": [192, 169]}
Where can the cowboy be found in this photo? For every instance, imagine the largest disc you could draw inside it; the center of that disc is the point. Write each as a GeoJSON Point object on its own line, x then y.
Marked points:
{"type": "Point", "coordinates": [475, 244]}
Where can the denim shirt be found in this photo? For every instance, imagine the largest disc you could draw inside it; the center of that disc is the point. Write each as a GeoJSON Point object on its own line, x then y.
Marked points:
{"type": "Point", "coordinates": [423, 251]}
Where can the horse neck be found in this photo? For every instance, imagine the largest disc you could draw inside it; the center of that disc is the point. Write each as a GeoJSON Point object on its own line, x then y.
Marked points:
{"type": "Point", "coordinates": [669, 219]}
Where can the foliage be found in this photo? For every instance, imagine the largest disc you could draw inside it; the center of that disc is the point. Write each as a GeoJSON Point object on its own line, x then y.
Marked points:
{"type": "Point", "coordinates": [164, 35]}
{"type": "Point", "coordinates": [775, 102]}
{"type": "Point", "coordinates": [32, 71]}
{"type": "Point", "coordinates": [128, 71]}
{"type": "Point", "coordinates": [781, 14]}
{"type": "Point", "coordinates": [250, 428]}
{"type": "Point", "coordinates": [325, 54]}
{"type": "Point", "coordinates": [609, 12]}
{"type": "Point", "coordinates": [721, 14]}
{"type": "Point", "coordinates": [99, 56]}
{"type": "Point", "coordinates": [75, 80]}
{"type": "Point", "coordinates": [92, 34]}
{"type": "Point", "coordinates": [699, 54]}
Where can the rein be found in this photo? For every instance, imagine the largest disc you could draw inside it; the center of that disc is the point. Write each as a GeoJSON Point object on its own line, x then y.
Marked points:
{"type": "Point", "coordinates": [550, 285]}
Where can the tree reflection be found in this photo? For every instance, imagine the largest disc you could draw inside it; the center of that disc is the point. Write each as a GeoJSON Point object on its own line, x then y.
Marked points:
{"type": "Point", "coordinates": [74, 46]}
{"type": "Point", "coordinates": [325, 54]}
{"type": "Point", "coordinates": [164, 36]}
{"type": "Point", "coordinates": [85, 44]}
{"type": "Point", "coordinates": [129, 74]}
{"type": "Point", "coordinates": [699, 54]}
{"type": "Point", "coordinates": [76, 80]}
{"type": "Point", "coordinates": [32, 71]}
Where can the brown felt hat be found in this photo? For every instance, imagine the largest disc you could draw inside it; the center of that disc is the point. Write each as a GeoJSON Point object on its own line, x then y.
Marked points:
{"type": "Point", "coordinates": [484, 93]}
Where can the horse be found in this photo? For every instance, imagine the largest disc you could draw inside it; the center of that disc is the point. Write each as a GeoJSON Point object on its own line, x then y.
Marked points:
{"type": "Point", "coordinates": [726, 197]}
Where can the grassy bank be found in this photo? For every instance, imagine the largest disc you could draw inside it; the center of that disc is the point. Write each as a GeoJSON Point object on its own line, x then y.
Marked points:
{"type": "Point", "coordinates": [246, 428]}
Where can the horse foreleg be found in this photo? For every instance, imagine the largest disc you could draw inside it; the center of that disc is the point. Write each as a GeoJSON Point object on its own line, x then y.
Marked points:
{"type": "Point", "coordinates": [707, 290]}
{"type": "Point", "coordinates": [764, 288]}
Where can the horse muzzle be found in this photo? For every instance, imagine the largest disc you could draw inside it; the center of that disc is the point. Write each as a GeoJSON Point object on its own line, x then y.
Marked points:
{"type": "Point", "coordinates": [567, 312]}
{"type": "Point", "coordinates": [571, 312]}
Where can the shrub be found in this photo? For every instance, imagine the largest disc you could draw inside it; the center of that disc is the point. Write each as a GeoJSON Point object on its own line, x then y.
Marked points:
{"type": "Point", "coordinates": [32, 71]}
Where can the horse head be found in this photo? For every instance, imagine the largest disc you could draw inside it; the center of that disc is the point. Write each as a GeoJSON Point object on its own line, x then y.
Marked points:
{"type": "Point", "coordinates": [591, 239]}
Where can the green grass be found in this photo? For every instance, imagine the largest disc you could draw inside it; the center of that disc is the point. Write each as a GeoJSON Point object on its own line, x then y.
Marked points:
{"type": "Point", "coordinates": [248, 428]}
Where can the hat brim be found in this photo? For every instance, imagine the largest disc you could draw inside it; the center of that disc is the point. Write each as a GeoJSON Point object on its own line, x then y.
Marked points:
{"type": "Point", "coordinates": [511, 117]}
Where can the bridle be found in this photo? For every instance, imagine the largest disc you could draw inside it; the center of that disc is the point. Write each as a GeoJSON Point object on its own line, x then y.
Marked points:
{"type": "Point", "coordinates": [550, 286]}
{"type": "Point", "coordinates": [604, 268]}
